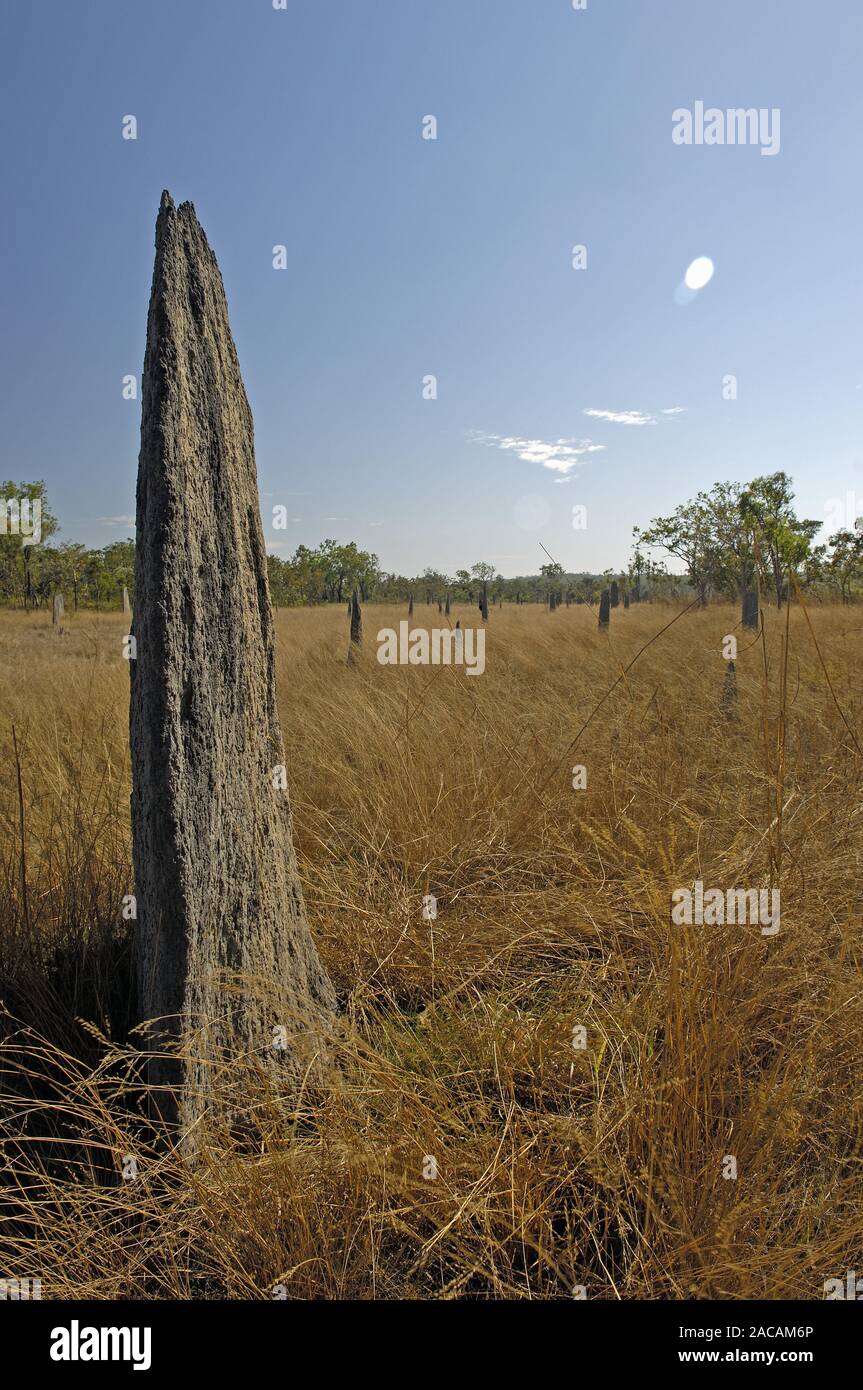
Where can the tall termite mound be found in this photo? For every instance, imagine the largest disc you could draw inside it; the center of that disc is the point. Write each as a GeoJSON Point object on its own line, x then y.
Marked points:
{"type": "Point", "coordinates": [604, 609]}
{"type": "Point", "coordinates": [224, 953]}
{"type": "Point", "coordinates": [750, 615]}
{"type": "Point", "coordinates": [356, 627]}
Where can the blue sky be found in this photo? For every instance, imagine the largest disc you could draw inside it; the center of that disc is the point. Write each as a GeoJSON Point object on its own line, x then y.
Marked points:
{"type": "Point", "coordinates": [408, 257]}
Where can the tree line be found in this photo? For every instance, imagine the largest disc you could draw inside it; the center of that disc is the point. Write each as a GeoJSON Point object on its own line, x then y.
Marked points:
{"type": "Point", "coordinates": [726, 539]}
{"type": "Point", "coordinates": [33, 567]}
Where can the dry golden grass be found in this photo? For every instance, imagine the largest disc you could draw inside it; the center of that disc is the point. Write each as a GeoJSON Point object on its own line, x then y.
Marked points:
{"type": "Point", "coordinates": [557, 1167]}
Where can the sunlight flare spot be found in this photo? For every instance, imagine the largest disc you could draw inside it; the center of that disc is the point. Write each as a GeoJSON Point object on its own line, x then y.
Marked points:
{"type": "Point", "coordinates": [699, 274]}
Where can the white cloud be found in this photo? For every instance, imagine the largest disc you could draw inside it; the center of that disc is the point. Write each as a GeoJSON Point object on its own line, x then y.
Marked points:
{"type": "Point", "coordinates": [116, 520]}
{"type": "Point", "coordinates": [622, 417]}
{"type": "Point", "coordinates": [558, 455]}
{"type": "Point", "coordinates": [632, 417]}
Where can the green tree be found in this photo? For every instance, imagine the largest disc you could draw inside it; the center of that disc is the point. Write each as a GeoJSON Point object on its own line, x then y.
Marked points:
{"type": "Point", "coordinates": [26, 523]}
{"type": "Point", "coordinates": [844, 567]}
{"type": "Point", "coordinates": [482, 572]}
{"type": "Point", "coordinates": [687, 534]}
{"type": "Point", "coordinates": [118, 565]}
{"type": "Point", "coordinates": [779, 537]}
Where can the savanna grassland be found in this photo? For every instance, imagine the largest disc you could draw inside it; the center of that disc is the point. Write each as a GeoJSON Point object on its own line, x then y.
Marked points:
{"type": "Point", "coordinates": [556, 1166]}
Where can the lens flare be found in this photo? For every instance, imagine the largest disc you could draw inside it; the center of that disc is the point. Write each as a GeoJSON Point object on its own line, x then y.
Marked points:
{"type": "Point", "coordinates": [699, 274]}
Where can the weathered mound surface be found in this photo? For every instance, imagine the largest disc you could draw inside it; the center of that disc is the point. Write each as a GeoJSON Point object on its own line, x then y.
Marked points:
{"type": "Point", "coordinates": [216, 875]}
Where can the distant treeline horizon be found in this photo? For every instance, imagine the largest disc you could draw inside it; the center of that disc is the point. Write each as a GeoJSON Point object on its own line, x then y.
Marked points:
{"type": "Point", "coordinates": [727, 541]}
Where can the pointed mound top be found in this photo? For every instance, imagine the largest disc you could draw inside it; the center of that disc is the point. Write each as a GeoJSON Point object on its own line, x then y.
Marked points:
{"type": "Point", "coordinates": [167, 204]}
{"type": "Point", "coordinates": [197, 434]}
{"type": "Point", "coordinates": [183, 219]}
{"type": "Point", "coordinates": [169, 212]}
{"type": "Point", "coordinates": [187, 284]}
